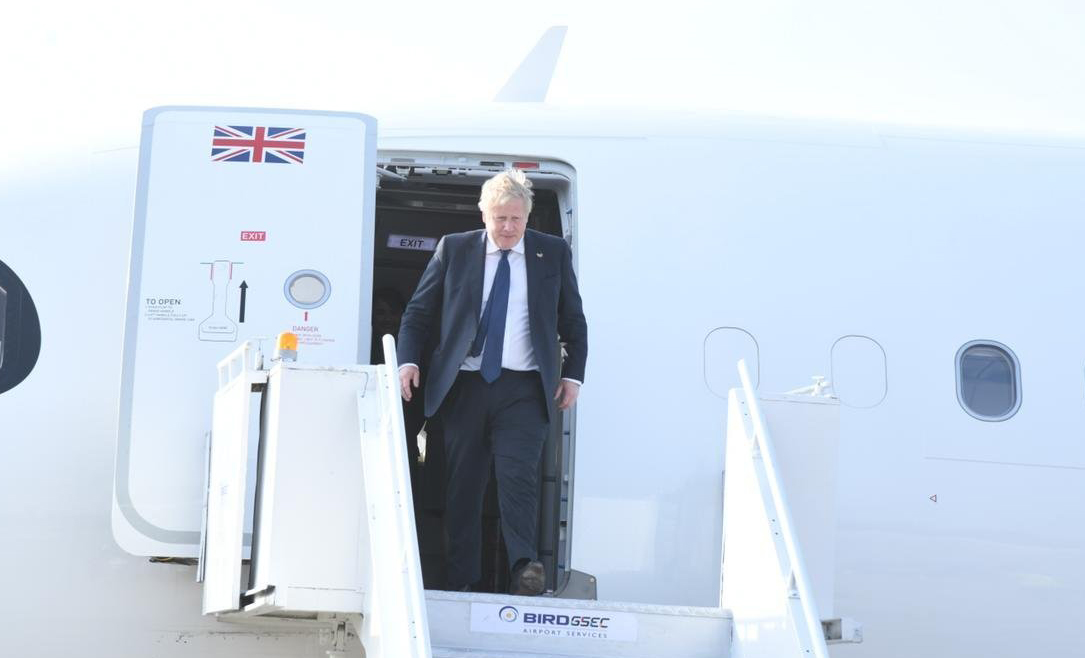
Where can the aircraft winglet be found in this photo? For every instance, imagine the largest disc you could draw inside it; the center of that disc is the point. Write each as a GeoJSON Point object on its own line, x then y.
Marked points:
{"type": "Point", "coordinates": [531, 80]}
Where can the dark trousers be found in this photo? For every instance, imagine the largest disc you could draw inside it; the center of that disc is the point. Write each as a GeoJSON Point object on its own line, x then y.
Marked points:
{"type": "Point", "coordinates": [503, 424]}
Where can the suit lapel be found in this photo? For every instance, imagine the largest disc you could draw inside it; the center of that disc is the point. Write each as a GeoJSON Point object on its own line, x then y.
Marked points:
{"type": "Point", "coordinates": [476, 257]}
{"type": "Point", "coordinates": [534, 269]}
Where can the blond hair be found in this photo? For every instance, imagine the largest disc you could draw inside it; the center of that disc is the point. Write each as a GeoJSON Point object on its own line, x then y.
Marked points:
{"type": "Point", "coordinates": [506, 186]}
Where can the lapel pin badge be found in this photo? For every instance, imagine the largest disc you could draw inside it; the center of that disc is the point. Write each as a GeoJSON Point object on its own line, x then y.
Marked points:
{"type": "Point", "coordinates": [539, 254]}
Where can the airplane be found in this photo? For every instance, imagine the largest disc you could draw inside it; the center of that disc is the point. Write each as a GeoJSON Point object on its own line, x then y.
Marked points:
{"type": "Point", "coordinates": [927, 275]}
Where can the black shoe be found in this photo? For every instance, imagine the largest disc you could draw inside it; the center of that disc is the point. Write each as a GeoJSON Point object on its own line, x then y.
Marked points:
{"type": "Point", "coordinates": [528, 580]}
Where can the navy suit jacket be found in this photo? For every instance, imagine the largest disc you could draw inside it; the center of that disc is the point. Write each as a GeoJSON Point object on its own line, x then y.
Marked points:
{"type": "Point", "coordinates": [449, 300]}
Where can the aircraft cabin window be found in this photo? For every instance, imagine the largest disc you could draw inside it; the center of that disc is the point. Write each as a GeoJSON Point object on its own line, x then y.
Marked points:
{"type": "Point", "coordinates": [20, 333]}
{"type": "Point", "coordinates": [988, 380]}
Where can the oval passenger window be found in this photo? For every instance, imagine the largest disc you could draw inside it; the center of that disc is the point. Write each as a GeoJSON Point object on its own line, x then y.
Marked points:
{"type": "Point", "coordinates": [20, 331]}
{"type": "Point", "coordinates": [988, 380]}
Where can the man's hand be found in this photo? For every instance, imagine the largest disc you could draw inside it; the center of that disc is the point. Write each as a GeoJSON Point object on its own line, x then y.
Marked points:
{"type": "Point", "coordinates": [408, 376]}
{"type": "Point", "coordinates": [566, 394]}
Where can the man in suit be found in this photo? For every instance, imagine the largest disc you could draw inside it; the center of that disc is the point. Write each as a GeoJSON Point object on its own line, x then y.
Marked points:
{"type": "Point", "coordinates": [501, 298]}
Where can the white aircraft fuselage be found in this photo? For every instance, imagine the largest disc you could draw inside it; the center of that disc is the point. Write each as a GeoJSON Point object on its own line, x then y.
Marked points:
{"type": "Point", "coordinates": [695, 235]}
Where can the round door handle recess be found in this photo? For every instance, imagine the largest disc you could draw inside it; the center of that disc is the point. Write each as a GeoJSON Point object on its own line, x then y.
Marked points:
{"type": "Point", "coordinates": [307, 289]}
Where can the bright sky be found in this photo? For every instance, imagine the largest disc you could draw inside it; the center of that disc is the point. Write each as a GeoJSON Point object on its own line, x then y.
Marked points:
{"type": "Point", "coordinates": [79, 74]}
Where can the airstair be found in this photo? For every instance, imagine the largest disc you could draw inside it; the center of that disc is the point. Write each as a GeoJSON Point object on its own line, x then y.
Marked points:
{"type": "Point", "coordinates": [328, 514]}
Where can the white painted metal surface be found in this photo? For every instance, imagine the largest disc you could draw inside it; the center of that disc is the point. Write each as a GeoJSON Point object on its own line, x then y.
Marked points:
{"type": "Point", "coordinates": [930, 238]}
{"type": "Point", "coordinates": [203, 227]}
{"type": "Point", "coordinates": [394, 623]}
{"type": "Point", "coordinates": [805, 432]}
{"type": "Point", "coordinates": [531, 80]}
{"type": "Point", "coordinates": [228, 478]}
{"type": "Point", "coordinates": [310, 498]}
{"type": "Point", "coordinates": [766, 582]}
{"type": "Point", "coordinates": [334, 523]}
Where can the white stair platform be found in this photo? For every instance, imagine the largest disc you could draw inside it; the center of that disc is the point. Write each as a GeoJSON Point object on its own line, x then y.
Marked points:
{"type": "Point", "coordinates": [504, 626]}
{"type": "Point", "coordinates": [344, 553]}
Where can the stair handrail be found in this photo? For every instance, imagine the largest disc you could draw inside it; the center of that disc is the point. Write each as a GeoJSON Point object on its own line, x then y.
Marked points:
{"type": "Point", "coordinates": [810, 620]}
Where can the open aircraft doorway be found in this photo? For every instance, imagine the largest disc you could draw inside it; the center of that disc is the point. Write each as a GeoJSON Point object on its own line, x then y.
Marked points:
{"type": "Point", "coordinates": [421, 197]}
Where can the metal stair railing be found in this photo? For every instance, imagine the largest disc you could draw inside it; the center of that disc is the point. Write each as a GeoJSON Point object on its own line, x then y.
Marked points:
{"type": "Point", "coordinates": [801, 604]}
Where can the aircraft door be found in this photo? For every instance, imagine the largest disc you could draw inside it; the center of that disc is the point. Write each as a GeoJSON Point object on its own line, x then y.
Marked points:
{"type": "Point", "coordinates": [248, 222]}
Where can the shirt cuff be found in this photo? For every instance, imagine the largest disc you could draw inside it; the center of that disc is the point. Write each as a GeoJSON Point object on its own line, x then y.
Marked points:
{"type": "Point", "coordinates": [404, 365]}
{"type": "Point", "coordinates": [570, 379]}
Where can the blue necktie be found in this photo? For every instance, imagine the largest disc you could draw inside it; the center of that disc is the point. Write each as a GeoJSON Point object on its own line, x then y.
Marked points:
{"type": "Point", "coordinates": [491, 328]}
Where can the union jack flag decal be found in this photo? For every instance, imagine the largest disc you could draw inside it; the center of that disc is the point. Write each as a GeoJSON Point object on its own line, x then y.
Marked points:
{"type": "Point", "coordinates": [258, 144]}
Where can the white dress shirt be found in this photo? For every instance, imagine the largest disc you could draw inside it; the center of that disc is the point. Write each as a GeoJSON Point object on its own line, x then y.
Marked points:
{"type": "Point", "coordinates": [516, 353]}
